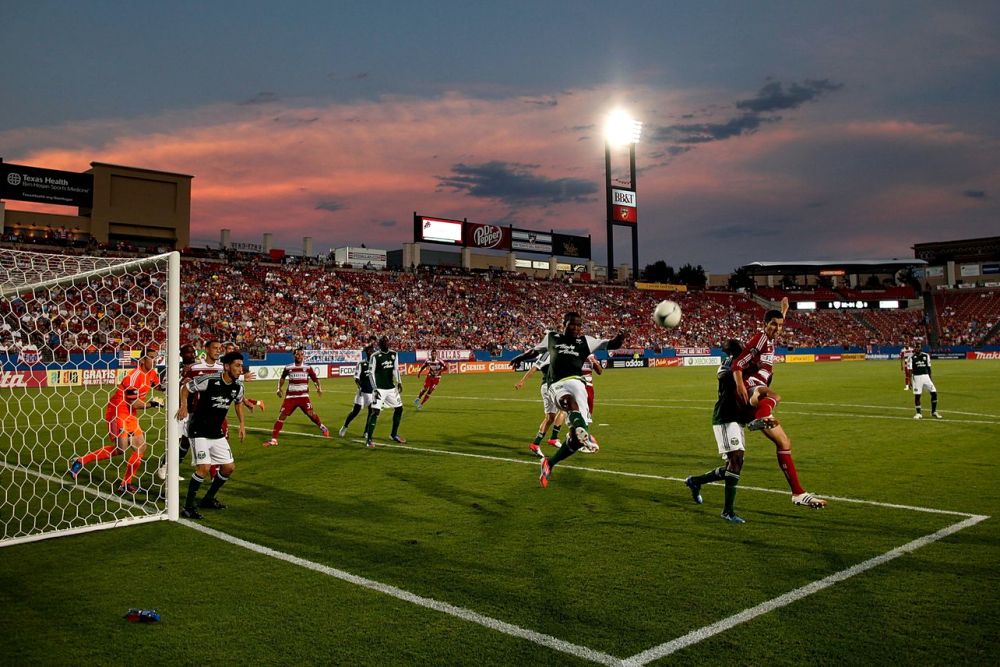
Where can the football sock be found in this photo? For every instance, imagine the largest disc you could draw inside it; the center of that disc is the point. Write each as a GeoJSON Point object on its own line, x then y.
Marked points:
{"type": "Point", "coordinates": [732, 479]}
{"type": "Point", "coordinates": [98, 454]}
{"type": "Point", "coordinates": [555, 432]}
{"type": "Point", "coordinates": [426, 398]}
{"type": "Point", "coordinates": [193, 487]}
{"type": "Point", "coordinates": [397, 415]}
{"type": "Point", "coordinates": [787, 466]}
{"type": "Point", "coordinates": [538, 437]}
{"type": "Point", "coordinates": [134, 461]}
{"type": "Point", "coordinates": [370, 426]}
{"type": "Point", "coordinates": [354, 413]}
{"type": "Point", "coordinates": [765, 407]}
{"type": "Point", "coordinates": [933, 401]}
{"type": "Point", "coordinates": [217, 483]}
{"type": "Point", "coordinates": [315, 419]}
{"type": "Point", "coordinates": [564, 452]}
{"type": "Point", "coordinates": [279, 423]}
{"type": "Point", "coordinates": [710, 476]}
{"type": "Point", "coordinates": [916, 402]}
{"type": "Point", "coordinates": [577, 420]}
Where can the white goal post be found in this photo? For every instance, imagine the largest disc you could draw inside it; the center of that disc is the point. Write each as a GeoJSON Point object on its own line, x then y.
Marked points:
{"type": "Point", "coordinates": [71, 328]}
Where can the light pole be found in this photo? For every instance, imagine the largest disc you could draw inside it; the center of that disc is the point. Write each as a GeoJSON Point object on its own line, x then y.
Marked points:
{"type": "Point", "coordinates": [621, 130]}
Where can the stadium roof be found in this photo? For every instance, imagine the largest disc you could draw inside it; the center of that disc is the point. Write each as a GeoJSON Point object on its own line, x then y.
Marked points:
{"type": "Point", "coordinates": [846, 265]}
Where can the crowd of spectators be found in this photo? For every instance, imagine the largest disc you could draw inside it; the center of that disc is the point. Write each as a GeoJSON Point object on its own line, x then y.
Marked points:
{"type": "Point", "coordinates": [272, 306]}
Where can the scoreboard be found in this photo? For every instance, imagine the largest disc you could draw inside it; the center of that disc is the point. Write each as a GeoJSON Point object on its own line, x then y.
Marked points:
{"type": "Point", "coordinates": [857, 304]}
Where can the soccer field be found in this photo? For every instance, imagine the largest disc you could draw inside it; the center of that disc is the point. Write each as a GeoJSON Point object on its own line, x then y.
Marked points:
{"type": "Point", "coordinates": [445, 550]}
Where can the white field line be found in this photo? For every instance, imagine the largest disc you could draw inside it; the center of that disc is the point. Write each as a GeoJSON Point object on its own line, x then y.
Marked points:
{"type": "Point", "coordinates": [701, 634]}
{"type": "Point", "coordinates": [622, 473]}
{"type": "Point", "coordinates": [429, 603]}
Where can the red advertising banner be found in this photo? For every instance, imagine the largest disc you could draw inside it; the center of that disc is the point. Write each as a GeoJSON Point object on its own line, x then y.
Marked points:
{"type": "Point", "coordinates": [495, 237]}
{"type": "Point", "coordinates": [664, 362]}
{"type": "Point", "coordinates": [975, 354]}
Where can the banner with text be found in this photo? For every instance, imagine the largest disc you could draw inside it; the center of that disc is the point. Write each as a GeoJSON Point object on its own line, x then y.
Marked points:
{"type": "Point", "coordinates": [529, 241]}
{"type": "Point", "coordinates": [47, 186]}
{"type": "Point", "coordinates": [493, 237]}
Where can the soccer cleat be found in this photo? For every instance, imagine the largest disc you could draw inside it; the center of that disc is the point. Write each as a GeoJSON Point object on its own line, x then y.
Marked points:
{"type": "Point", "coordinates": [732, 518]}
{"type": "Point", "coordinates": [905, 388]}
{"type": "Point", "coordinates": [546, 472]}
{"type": "Point", "coordinates": [554, 442]}
{"type": "Point", "coordinates": [342, 432]}
{"type": "Point", "coordinates": [325, 431]}
{"type": "Point", "coordinates": [763, 424]}
{"type": "Point", "coordinates": [806, 499]}
{"type": "Point", "coordinates": [192, 513]}
{"type": "Point", "coordinates": [369, 443]}
{"type": "Point", "coordinates": [212, 504]}
{"type": "Point", "coordinates": [273, 442]}
{"type": "Point", "coordinates": [591, 447]}
{"type": "Point", "coordinates": [129, 489]}
{"type": "Point", "coordinates": [695, 490]}
{"type": "Point", "coordinates": [416, 403]}
{"type": "Point", "coordinates": [536, 450]}
{"type": "Point", "coordinates": [398, 438]}
{"type": "Point", "coordinates": [75, 467]}
{"type": "Point", "coordinates": [937, 415]}
{"type": "Point", "coordinates": [918, 416]}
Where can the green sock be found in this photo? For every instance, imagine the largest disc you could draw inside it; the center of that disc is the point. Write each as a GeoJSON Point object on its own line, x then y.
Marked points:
{"type": "Point", "coordinates": [555, 432]}
{"type": "Point", "coordinates": [710, 476]}
{"type": "Point", "coordinates": [538, 438]}
{"type": "Point", "coordinates": [732, 479]}
{"type": "Point", "coordinates": [370, 426]}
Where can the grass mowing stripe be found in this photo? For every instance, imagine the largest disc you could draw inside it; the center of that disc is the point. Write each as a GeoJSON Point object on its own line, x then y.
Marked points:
{"type": "Point", "coordinates": [429, 603]}
{"type": "Point", "coordinates": [701, 634]}
{"type": "Point", "coordinates": [640, 475]}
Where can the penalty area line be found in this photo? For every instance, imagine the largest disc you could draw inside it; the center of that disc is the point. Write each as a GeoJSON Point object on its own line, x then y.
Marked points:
{"type": "Point", "coordinates": [462, 613]}
{"type": "Point", "coordinates": [701, 634]}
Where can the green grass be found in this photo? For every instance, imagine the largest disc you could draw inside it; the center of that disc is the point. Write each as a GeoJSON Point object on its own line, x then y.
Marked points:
{"type": "Point", "coordinates": [612, 562]}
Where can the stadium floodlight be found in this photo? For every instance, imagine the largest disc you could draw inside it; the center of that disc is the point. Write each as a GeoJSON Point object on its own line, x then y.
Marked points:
{"type": "Point", "coordinates": [621, 129]}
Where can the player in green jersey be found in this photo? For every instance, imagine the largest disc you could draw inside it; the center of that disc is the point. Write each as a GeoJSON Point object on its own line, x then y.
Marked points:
{"type": "Point", "coordinates": [383, 370]}
{"type": "Point", "coordinates": [568, 352]}
{"type": "Point", "coordinates": [920, 368]}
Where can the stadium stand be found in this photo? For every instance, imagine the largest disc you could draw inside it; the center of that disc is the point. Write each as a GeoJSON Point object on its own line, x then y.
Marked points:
{"type": "Point", "coordinates": [966, 316]}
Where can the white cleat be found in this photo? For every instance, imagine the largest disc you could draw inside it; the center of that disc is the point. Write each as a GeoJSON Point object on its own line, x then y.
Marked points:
{"type": "Point", "coordinates": [918, 416]}
{"type": "Point", "coordinates": [342, 432]}
{"type": "Point", "coordinates": [937, 415]}
{"type": "Point", "coordinates": [809, 500]}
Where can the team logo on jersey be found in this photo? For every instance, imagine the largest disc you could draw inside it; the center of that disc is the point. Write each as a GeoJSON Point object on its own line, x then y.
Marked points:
{"type": "Point", "coordinates": [734, 442]}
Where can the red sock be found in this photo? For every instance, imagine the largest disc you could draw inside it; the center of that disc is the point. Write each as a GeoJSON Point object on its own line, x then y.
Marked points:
{"type": "Point", "coordinates": [787, 466]}
{"type": "Point", "coordinates": [134, 462]}
{"type": "Point", "coordinates": [278, 425]}
{"type": "Point", "coordinates": [425, 399]}
{"type": "Point", "coordinates": [98, 454]}
{"type": "Point", "coordinates": [764, 407]}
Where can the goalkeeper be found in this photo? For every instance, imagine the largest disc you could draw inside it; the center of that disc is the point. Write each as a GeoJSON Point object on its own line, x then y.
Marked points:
{"type": "Point", "coordinates": [123, 425]}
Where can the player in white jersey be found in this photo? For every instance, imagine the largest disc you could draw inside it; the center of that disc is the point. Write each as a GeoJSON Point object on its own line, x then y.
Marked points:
{"type": "Point", "coordinates": [298, 374]}
{"type": "Point", "coordinates": [435, 368]}
{"type": "Point", "coordinates": [905, 354]}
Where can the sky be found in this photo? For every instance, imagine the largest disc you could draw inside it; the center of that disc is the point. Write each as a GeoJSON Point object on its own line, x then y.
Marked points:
{"type": "Point", "coordinates": [773, 131]}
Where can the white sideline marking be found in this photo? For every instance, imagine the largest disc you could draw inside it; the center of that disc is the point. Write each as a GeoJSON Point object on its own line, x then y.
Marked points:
{"type": "Point", "coordinates": [622, 473]}
{"type": "Point", "coordinates": [701, 634]}
{"type": "Point", "coordinates": [429, 603]}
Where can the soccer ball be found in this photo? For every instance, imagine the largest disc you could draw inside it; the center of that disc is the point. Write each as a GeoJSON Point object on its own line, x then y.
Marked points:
{"type": "Point", "coordinates": [667, 314]}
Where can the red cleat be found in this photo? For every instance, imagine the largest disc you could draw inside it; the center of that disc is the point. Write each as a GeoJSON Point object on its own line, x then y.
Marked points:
{"type": "Point", "coordinates": [543, 478]}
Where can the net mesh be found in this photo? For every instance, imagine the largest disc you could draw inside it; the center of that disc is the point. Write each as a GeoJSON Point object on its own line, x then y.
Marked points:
{"type": "Point", "coordinates": [71, 328]}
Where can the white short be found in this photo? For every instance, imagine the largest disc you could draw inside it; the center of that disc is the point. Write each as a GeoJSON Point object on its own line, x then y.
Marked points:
{"type": "Point", "coordinates": [363, 399]}
{"type": "Point", "coordinates": [213, 451]}
{"type": "Point", "coordinates": [921, 382]}
{"type": "Point", "coordinates": [389, 398]}
{"type": "Point", "coordinates": [729, 437]}
{"type": "Point", "coordinates": [572, 387]}
{"type": "Point", "coordinates": [548, 400]}
{"type": "Point", "coordinates": [182, 426]}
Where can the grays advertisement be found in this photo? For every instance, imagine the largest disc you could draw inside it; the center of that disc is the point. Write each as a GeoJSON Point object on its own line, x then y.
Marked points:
{"type": "Point", "coordinates": [529, 241]}
{"type": "Point", "coordinates": [46, 186]}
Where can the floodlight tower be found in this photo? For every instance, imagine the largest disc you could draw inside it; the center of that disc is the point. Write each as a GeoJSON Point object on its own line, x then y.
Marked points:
{"type": "Point", "coordinates": [621, 130]}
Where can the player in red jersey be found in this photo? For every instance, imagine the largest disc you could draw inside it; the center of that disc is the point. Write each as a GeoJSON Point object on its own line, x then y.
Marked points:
{"type": "Point", "coordinates": [905, 355]}
{"type": "Point", "coordinates": [435, 368]}
{"type": "Point", "coordinates": [123, 424]}
{"type": "Point", "coordinates": [753, 391]}
{"type": "Point", "coordinates": [298, 375]}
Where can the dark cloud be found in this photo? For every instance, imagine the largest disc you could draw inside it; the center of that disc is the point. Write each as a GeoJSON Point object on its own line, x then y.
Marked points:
{"type": "Point", "coordinates": [386, 223]}
{"type": "Point", "coordinates": [514, 183]}
{"type": "Point", "coordinates": [731, 232]}
{"type": "Point", "coordinates": [360, 76]}
{"type": "Point", "coordinates": [331, 205]}
{"type": "Point", "coordinates": [975, 194]}
{"type": "Point", "coordinates": [774, 97]}
{"type": "Point", "coordinates": [756, 111]}
{"type": "Point", "coordinates": [699, 133]}
{"type": "Point", "coordinates": [541, 101]}
{"type": "Point", "coordinates": [261, 98]}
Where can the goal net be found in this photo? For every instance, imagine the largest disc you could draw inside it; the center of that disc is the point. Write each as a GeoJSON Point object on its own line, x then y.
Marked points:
{"type": "Point", "coordinates": [72, 328]}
